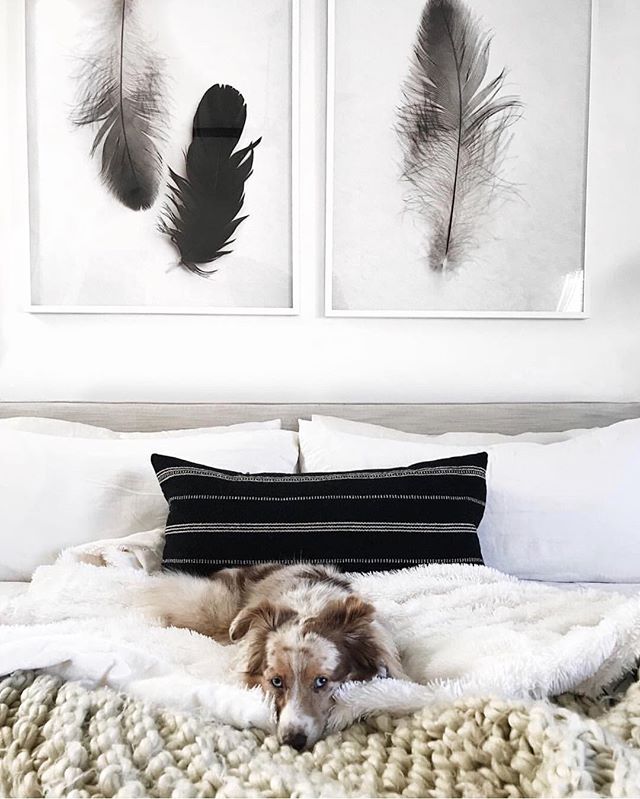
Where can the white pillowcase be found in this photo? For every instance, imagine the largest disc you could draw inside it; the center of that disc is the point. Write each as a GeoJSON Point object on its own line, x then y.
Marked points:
{"type": "Point", "coordinates": [325, 450]}
{"type": "Point", "coordinates": [57, 492]}
{"type": "Point", "coordinates": [563, 511]}
{"type": "Point", "coordinates": [456, 439]}
{"type": "Point", "coordinates": [60, 427]}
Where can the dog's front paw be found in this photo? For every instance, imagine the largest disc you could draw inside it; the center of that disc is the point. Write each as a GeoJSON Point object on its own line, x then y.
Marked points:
{"type": "Point", "coordinates": [141, 551]}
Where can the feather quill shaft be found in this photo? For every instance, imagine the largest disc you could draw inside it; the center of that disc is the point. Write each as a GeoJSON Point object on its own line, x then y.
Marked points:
{"type": "Point", "coordinates": [202, 213]}
{"type": "Point", "coordinates": [453, 128]}
{"type": "Point", "coordinates": [121, 91]}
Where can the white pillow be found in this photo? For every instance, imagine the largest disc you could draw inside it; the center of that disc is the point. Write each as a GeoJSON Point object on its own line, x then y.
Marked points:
{"type": "Point", "coordinates": [561, 512]}
{"type": "Point", "coordinates": [60, 427]}
{"type": "Point", "coordinates": [456, 439]}
{"type": "Point", "coordinates": [323, 449]}
{"type": "Point", "coordinates": [59, 492]}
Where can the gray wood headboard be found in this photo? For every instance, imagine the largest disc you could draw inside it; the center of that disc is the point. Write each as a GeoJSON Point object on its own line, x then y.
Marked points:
{"type": "Point", "coordinates": [498, 418]}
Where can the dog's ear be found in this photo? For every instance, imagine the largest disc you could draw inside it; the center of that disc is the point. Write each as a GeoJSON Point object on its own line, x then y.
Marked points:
{"type": "Point", "coordinates": [344, 615]}
{"type": "Point", "coordinates": [265, 617]}
{"type": "Point", "coordinates": [348, 623]}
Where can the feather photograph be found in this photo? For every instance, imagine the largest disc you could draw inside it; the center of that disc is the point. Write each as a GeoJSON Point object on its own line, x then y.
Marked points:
{"type": "Point", "coordinates": [122, 94]}
{"type": "Point", "coordinates": [457, 157]}
{"type": "Point", "coordinates": [161, 143]}
{"type": "Point", "coordinates": [201, 214]}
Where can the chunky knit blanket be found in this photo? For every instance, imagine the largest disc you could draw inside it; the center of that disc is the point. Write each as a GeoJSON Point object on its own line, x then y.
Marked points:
{"type": "Point", "coordinates": [127, 708]}
{"type": "Point", "coordinates": [62, 739]}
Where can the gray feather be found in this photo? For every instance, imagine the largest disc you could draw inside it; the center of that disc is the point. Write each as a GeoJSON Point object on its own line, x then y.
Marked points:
{"type": "Point", "coordinates": [453, 127]}
{"type": "Point", "coordinates": [121, 92]}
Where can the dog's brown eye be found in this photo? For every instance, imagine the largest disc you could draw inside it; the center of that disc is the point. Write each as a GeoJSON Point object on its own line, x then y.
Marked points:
{"type": "Point", "coordinates": [276, 682]}
{"type": "Point", "coordinates": [320, 682]}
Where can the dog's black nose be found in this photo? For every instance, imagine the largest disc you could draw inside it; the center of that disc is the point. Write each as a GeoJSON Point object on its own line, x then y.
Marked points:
{"type": "Point", "coordinates": [297, 740]}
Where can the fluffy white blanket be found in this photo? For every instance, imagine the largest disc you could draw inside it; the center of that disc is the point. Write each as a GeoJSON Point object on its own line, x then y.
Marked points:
{"type": "Point", "coordinates": [462, 630]}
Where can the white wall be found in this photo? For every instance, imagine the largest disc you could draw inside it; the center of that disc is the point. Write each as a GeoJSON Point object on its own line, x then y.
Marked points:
{"type": "Point", "coordinates": [314, 359]}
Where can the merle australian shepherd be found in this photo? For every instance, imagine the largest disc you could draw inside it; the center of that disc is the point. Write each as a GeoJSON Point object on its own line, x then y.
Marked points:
{"type": "Point", "coordinates": [302, 631]}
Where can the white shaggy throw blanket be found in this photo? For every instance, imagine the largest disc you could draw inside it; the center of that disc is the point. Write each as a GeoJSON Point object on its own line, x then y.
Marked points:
{"type": "Point", "coordinates": [461, 630]}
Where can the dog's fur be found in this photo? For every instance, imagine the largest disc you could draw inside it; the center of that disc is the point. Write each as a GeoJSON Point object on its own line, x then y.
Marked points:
{"type": "Point", "coordinates": [295, 624]}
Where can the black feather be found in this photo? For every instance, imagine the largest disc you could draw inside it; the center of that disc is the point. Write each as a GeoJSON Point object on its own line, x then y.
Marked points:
{"type": "Point", "coordinates": [201, 215]}
{"type": "Point", "coordinates": [121, 89]}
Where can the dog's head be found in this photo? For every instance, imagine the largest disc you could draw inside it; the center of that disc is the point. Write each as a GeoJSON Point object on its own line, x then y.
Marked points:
{"type": "Point", "coordinates": [301, 661]}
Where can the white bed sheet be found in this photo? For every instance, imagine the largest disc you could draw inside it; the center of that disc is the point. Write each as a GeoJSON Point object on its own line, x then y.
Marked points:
{"type": "Point", "coordinates": [628, 589]}
{"type": "Point", "coordinates": [12, 588]}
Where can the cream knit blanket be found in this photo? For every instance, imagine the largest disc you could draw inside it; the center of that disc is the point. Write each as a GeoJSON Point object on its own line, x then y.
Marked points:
{"type": "Point", "coordinates": [61, 739]}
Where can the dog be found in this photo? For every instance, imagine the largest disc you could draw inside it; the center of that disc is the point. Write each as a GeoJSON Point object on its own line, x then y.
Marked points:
{"type": "Point", "coordinates": [302, 632]}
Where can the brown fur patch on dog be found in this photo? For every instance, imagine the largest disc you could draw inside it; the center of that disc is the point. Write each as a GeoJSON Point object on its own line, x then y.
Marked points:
{"type": "Point", "coordinates": [347, 624]}
{"type": "Point", "coordinates": [261, 619]}
{"type": "Point", "coordinates": [205, 606]}
{"type": "Point", "coordinates": [319, 574]}
{"type": "Point", "coordinates": [260, 571]}
{"type": "Point", "coordinates": [240, 579]}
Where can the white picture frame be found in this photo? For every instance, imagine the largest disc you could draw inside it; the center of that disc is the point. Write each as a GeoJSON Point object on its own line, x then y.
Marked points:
{"type": "Point", "coordinates": [197, 310]}
{"type": "Point", "coordinates": [329, 306]}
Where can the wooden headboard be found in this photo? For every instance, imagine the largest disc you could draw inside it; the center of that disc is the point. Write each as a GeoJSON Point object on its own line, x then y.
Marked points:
{"type": "Point", "coordinates": [422, 418]}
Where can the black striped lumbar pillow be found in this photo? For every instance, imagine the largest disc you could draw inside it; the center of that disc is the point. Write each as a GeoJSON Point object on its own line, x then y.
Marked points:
{"type": "Point", "coordinates": [360, 521]}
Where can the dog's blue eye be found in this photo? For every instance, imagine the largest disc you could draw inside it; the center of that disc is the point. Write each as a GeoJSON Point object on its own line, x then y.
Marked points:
{"type": "Point", "coordinates": [320, 682]}
{"type": "Point", "coordinates": [276, 682]}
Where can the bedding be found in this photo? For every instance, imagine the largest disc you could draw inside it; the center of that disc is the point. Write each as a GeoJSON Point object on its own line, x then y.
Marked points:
{"type": "Point", "coordinates": [358, 521]}
{"type": "Point", "coordinates": [121, 707]}
{"type": "Point", "coordinates": [57, 492]}
{"type": "Point", "coordinates": [122, 558]}
{"type": "Point", "coordinates": [627, 589]}
{"type": "Point", "coordinates": [68, 739]}
{"type": "Point", "coordinates": [12, 588]}
{"type": "Point", "coordinates": [462, 631]}
{"type": "Point", "coordinates": [61, 427]}
{"type": "Point", "coordinates": [562, 511]}
{"type": "Point", "coordinates": [468, 439]}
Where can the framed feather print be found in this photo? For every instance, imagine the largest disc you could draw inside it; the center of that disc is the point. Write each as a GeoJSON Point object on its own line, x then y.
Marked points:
{"type": "Point", "coordinates": [162, 155]}
{"type": "Point", "coordinates": [457, 154]}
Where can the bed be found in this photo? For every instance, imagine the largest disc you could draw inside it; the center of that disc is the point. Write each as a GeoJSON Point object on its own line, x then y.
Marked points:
{"type": "Point", "coordinates": [63, 737]}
